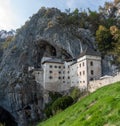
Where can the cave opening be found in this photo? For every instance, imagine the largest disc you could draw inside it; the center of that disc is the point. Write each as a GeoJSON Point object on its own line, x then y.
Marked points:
{"type": "Point", "coordinates": [6, 118]}
{"type": "Point", "coordinates": [43, 49]}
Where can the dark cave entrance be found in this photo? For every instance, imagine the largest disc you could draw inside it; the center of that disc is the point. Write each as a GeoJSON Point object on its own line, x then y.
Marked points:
{"type": "Point", "coordinates": [6, 118]}
{"type": "Point", "coordinates": [43, 49]}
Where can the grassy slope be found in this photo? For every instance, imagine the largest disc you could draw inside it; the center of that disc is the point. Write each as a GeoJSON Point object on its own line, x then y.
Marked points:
{"type": "Point", "coordinates": [101, 108]}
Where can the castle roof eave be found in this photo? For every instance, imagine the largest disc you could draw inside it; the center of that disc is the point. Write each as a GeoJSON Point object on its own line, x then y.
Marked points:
{"type": "Point", "coordinates": [89, 52]}
{"type": "Point", "coordinates": [52, 62]}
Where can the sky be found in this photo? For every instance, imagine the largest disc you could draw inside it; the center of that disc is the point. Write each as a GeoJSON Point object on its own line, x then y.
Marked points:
{"type": "Point", "coordinates": [14, 13]}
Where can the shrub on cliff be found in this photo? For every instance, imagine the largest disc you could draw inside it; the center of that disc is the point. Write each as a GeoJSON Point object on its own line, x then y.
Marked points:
{"type": "Point", "coordinates": [58, 105]}
{"type": "Point", "coordinates": [76, 93]}
{"type": "Point", "coordinates": [61, 104]}
{"type": "Point", "coordinates": [53, 97]}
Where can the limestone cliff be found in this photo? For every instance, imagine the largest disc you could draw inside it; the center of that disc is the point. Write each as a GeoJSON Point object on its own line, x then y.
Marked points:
{"type": "Point", "coordinates": [41, 36]}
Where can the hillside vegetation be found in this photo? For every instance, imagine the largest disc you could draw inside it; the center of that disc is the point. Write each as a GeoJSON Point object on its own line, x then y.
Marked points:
{"type": "Point", "coordinates": [101, 108]}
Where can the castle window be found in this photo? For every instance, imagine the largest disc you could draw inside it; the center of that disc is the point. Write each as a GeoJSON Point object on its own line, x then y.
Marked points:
{"type": "Point", "coordinates": [68, 77]}
{"type": "Point", "coordinates": [63, 71]}
{"type": "Point", "coordinates": [55, 66]}
{"type": "Point", "coordinates": [92, 72]}
{"type": "Point", "coordinates": [50, 77]}
{"type": "Point", "coordinates": [83, 81]}
{"type": "Point", "coordinates": [80, 64]}
{"type": "Point", "coordinates": [91, 63]}
{"type": "Point", "coordinates": [50, 71]}
{"type": "Point", "coordinates": [83, 64]}
{"type": "Point", "coordinates": [91, 79]}
{"type": "Point", "coordinates": [83, 72]}
{"type": "Point", "coordinates": [59, 72]}
{"type": "Point", "coordinates": [59, 66]}
{"type": "Point", "coordinates": [50, 66]}
{"type": "Point", "coordinates": [63, 66]}
{"type": "Point", "coordinates": [68, 71]}
{"type": "Point", "coordinates": [59, 78]}
{"type": "Point", "coordinates": [63, 77]}
{"type": "Point", "coordinates": [80, 73]}
{"type": "Point", "coordinates": [63, 81]}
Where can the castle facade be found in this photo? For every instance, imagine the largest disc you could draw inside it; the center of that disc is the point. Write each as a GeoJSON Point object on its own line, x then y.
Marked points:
{"type": "Point", "coordinates": [59, 75]}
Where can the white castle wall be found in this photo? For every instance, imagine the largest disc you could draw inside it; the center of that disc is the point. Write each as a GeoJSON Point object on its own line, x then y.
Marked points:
{"type": "Point", "coordinates": [94, 85]}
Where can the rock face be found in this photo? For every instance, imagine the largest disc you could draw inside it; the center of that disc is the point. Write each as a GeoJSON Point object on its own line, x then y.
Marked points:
{"type": "Point", "coordinates": [41, 36]}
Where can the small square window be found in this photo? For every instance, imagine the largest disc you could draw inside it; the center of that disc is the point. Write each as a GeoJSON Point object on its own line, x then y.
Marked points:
{"type": "Point", "coordinates": [50, 66]}
{"type": "Point", "coordinates": [59, 66]}
{"type": "Point", "coordinates": [50, 77]}
{"type": "Point", "coordinates": [55, 66]}
{"type": "Point", "coordinates": [50, 71]}
{"type": "Point", "coordinates": [59, 72]}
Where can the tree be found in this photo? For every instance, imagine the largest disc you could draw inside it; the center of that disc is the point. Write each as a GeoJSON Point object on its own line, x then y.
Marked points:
{"type": "Point", "coordinates": [116, 1]}
{"type": "Point", "coordinates": [104, 39]}
{"type": "Point", "coordinates": [116, 51]}
{"type": "Point", "coordinates": [94, 19]}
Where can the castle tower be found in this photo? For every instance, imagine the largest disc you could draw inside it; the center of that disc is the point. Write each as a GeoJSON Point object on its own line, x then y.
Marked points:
{"type": "Point", "coordinates": [86, 68]}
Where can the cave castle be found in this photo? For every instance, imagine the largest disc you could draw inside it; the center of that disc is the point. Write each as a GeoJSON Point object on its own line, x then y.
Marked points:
{"type": "Point", "coordinates": [60, 75]}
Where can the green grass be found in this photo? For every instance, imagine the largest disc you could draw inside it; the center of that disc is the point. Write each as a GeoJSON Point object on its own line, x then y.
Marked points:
{"type": "Point", "coordinates": [101, 108]}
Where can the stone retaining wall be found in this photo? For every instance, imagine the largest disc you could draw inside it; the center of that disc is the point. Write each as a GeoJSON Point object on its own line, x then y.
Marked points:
{"type": "Point", "coordinates": [94, 85]}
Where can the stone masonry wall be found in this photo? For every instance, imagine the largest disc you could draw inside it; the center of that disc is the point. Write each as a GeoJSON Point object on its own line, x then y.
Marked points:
{"type": "Point", "coordinates": [94, 85]}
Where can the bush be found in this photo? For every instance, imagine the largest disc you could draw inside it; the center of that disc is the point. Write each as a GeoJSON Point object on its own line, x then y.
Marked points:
{"type": "Point", "coordinates": [48, 111]}
{"type": "Point", "coordinates": [61, 104]}
{"type": "Point", "coordinates": [75, 93]}
{"type": "Point", "coordinates": [58, 105]}
{"type": "Point", "coordinates": [48, 108]}
{"type": "Point", "coordinates": [54, 96]}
